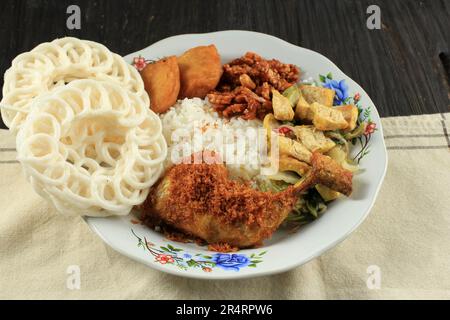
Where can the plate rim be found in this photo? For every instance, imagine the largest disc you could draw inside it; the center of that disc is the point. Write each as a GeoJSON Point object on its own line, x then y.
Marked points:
{"type": "Point", "coordinates": [287, 266]}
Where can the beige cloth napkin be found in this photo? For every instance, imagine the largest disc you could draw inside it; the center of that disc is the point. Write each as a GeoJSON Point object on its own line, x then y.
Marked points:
{"type": "Point", "coordinates": [405, 240]}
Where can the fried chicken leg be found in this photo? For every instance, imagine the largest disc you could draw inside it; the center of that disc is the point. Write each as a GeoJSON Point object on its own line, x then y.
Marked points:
{"type": "Point", "coordinates": [200, 200]}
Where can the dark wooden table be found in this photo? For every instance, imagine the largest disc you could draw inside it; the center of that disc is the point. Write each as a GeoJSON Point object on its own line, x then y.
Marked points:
{"type": "Point", "coordinates": [404, 66]}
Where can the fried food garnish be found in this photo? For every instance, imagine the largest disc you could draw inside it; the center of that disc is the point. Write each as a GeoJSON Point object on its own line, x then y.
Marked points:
{"type": "Point", "coordinates": [162, 83]}
{"type": "Point", "coordinates": [201, 200]}
{"type": "Point", "coordinates": [222, 247]}
{"type": "Point", "coordinates": [200, 71]}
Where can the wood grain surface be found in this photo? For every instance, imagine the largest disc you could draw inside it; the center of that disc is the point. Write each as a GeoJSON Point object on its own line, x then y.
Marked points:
{"type": "Point", "coordinates": [404, 66]}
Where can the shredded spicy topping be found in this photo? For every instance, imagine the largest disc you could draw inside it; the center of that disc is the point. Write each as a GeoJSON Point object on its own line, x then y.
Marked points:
{"type": "Point", "coordinates": [222, 247]}
{"type": "Point", "coordinates": [245, 87]}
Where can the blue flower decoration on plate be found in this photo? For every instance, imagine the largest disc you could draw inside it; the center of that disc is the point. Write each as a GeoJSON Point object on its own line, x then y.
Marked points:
{"type": "Point", "coordinates": [228, 261]}
{"type": "Point", "coordinates": [187, 256]}
{"type": "Point", "coordinates": [341, 89]}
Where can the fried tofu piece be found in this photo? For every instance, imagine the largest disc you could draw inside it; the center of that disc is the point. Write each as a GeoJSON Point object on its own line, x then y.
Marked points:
{"type": "Point", "coordinates": [313, 139]}
{"type": "Point", "coordinates": [320, 95]}
{"type": "Point", "coordinates": [350, 113]}
{"type": "Point", "coordinates": [326, 118]}
{"type": "Point", "coordinates": [282, 108]}
{"type": "Point", "coordinates": [303, 110]}
{"type": "Point", "coordinates": [323, 117]}
{"type": "Point", "coordinates": [294, 149]}
{"type": "Point", "coordinates": [200, 71]}
{"type": "Point", "coordinates": [162, 83]}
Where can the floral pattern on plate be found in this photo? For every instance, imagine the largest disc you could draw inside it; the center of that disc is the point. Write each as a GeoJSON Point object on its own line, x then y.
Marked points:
{"type": "Point", "coordinates": [342, 97]}
{"type": "Point", "coordinates": [170, 255]}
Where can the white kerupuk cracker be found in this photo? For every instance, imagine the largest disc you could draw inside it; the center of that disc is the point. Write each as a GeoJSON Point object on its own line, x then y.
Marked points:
{"type": "Point", "coordinates": [91, 148]}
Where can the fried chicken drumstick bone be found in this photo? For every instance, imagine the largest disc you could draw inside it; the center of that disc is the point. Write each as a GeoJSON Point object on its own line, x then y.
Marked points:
{"type": "Point", "coordinates": [200, 200]}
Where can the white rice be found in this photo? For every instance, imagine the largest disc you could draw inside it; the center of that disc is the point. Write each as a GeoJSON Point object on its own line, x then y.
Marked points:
{"type": "Point", "coordinates": [192, 125]}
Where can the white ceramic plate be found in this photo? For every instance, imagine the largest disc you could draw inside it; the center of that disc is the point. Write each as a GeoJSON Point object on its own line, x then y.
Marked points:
{"type": "Point", "coordinates": [284, 251]}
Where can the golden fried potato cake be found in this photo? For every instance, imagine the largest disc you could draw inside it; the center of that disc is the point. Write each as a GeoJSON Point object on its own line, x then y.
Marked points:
{"type": "Point", "coordinates": [162, 83]}
{"type": "Point", "coordinates": [200, 71]}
